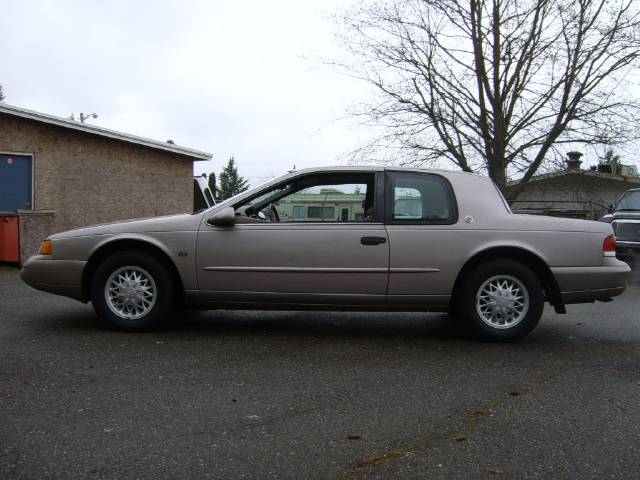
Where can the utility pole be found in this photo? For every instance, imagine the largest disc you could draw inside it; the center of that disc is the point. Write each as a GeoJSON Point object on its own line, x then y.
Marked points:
{"type": "Point", "coordinates": [83, 117]}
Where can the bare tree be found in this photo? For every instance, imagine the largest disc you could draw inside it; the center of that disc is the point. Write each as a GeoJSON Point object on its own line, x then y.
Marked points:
{"type": "Point", "coordinates": [494, 85]}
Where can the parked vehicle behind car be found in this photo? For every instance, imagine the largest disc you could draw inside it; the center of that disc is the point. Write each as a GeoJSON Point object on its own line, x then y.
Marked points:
{"type": "Point", "coordinates": [202, 195]}
{"type": "Point", "coordinates": [624, 217]}
{"type": "Point", "coordinates": [341, 239]}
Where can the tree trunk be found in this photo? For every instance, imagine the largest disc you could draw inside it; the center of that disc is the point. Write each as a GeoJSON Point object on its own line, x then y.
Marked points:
{"type": "Point", "coordinates": [498, 173]}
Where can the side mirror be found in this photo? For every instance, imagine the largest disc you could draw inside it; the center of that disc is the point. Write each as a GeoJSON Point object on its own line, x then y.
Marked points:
{"type": "Point", "coordinates": [226, 216]}
{"type": "Point", "coordinates": [610, 208]}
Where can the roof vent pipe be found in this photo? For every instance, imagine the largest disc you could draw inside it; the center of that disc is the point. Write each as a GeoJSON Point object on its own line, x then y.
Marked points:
{"type": "Point", "coordinates": [573, 162]}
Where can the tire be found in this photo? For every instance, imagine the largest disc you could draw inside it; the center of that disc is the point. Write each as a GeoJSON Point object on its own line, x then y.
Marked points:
{"type": "Point", "coordinates": [519, 296]}
{"type": "Point", "coordinates": [132, 291]}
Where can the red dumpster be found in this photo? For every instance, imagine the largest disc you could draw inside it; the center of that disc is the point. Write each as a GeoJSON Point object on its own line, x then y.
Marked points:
{"type": "Point", "coordinates": [9, 240]}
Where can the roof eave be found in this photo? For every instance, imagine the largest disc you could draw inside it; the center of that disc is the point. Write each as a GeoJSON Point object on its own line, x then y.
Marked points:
{"type": "Point", "coordinates": [104, 132]}
{"type": "Point", "coordinates": [583, 173]}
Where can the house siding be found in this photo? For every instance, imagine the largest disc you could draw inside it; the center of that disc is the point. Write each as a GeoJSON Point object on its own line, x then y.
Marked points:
{"type": "Point", "coordinates": [586, 195]}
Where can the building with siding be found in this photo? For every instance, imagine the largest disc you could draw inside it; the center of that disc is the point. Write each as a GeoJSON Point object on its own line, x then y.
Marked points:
{"type": "Point", "coordinates": [573, 192]}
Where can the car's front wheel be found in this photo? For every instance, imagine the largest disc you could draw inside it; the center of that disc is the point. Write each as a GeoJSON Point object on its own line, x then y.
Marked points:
{"type": "Point", "coordinates": [501, 300]}
{"type": "Point", "coordinates": [132, 291]}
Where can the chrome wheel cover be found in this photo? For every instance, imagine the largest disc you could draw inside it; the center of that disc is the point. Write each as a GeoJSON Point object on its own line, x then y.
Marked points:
{"type": "Point", "coordinates": [502, 301]}
{"type": "Point", "coordinates": [130, 292]}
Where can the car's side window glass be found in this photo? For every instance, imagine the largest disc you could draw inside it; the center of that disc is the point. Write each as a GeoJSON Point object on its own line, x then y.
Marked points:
{"type": "Point", "coordinates": [338, 198]}
{"type": "Point", "coordinates": [260, 208]}
{"type": "Point", "coordinates": [421, 198]}
{"type": "Point", "coordinates": [345, 202]}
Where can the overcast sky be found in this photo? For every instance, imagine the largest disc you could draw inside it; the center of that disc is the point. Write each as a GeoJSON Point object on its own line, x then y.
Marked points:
{"type": "Point", "coordinates": [229, 78]}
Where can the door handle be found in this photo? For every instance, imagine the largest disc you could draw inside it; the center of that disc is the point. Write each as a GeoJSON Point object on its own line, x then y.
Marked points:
{"type": "Point", "coordinates": [373, 240]}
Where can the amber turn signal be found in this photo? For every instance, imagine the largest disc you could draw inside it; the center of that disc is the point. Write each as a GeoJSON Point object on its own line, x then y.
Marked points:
{"type": "Point", "coordinates": [45, 248]}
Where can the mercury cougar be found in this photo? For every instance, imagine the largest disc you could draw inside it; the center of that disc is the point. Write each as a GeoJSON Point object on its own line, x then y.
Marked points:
{"type": "Point", "coordinates": [345, 238]}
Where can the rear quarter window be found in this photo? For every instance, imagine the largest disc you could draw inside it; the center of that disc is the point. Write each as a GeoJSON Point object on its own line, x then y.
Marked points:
{"type": "Point", "coordinates": [420, 198]}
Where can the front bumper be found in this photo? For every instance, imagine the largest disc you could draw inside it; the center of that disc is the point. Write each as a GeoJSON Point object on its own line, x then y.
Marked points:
{"type": "Point", "coordinates": [62, 277]}
{"type": "Point", "coordinates": [588, 284]}
{"type": "Point", "coordinates": [627, 249]}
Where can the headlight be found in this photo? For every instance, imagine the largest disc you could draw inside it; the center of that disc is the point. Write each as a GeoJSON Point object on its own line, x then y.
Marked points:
{"type": "Point", "coordinates": [45, 248]}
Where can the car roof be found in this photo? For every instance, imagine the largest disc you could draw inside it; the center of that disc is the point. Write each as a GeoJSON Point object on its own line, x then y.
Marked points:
{"type": "Point", "coordinates": [380, 168]}
{"type": "Point", "coordinates": [346, 169]}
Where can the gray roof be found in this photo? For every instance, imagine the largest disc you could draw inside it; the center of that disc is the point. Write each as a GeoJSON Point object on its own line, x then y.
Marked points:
{"type": "Point", "coordinates": [104, 132]}
{"type": "Point", "coordinates": [584, 173]}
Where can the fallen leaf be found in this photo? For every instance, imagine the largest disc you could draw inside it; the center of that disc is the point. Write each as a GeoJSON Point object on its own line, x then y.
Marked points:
{"type": "Point", "coordinates": [497, 471]}
{"type": "Point", "coordinates": [354, 436]}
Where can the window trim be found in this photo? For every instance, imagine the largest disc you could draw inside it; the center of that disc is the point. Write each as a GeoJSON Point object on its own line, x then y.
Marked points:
{"type": "Point", "coordinates": [390, 176]}
{"type": "Point", "coordinates": [377, 184]}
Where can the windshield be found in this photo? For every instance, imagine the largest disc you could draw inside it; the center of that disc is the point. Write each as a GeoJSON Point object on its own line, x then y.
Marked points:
{"type": "Point", "coordinates": [228, 201]}
{"type": "Point", "coordinates": [629, 201]}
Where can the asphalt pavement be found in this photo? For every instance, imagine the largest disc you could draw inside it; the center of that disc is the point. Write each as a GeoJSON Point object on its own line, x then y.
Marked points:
{"type": "Point", "coordinates": [300, 395]}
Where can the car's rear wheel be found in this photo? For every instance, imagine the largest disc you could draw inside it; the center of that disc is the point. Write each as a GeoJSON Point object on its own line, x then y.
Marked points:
{"type": "Point", "coordinates": [501, 300]}
{"type": "Point", "coordinates": [132, 291]}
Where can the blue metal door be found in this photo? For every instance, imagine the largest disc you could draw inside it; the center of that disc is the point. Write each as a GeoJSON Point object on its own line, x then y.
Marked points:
{"type": "Point", "coordinates": [15, 182]}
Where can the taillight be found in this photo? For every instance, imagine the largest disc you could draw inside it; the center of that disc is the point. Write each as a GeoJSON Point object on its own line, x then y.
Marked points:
{"type": "Point", "coordinates": [609, 246]}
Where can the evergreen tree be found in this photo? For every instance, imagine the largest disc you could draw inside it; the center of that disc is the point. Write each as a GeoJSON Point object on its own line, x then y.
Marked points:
{"type": "Point", "coordinates": [1, 94]}
{"type": "Point", "coordinates": [213, 186]}
{"type": "Point", "coordinates": [230, 182]}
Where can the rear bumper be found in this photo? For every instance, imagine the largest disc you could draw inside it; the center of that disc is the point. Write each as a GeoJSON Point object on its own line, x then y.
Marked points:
{"type": "Point", "coordinates": [588, 284]}
{"type": "Point", "coordinates": [62, 277]}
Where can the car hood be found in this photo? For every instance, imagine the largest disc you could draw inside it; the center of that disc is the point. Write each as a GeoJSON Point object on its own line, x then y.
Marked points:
{"type": "Point", "coordinates": [181, 222]}
{"type": "Point", "coordinates": [629, 214]}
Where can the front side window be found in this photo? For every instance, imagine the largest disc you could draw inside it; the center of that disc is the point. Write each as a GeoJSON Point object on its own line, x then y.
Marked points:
{"type": "Point", "coordinates": [420, 198]}
{"type": "Point", "coordinates": [316, 198]}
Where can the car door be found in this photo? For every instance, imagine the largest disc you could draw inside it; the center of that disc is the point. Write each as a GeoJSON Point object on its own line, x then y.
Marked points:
{"type": "Point", "coordinates": [420, 213]}
{"type": "Point", "coordinates": [318, 239]}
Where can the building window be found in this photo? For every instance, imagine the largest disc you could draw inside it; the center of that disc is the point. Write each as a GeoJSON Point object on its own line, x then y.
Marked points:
{"type": "Point", "coordinates": [321, 213]}
{"type": "Point", "coordinates": [299, 212]}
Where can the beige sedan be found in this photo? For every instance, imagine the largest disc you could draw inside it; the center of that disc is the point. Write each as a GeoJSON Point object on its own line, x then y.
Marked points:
{"type": "Point", "coordinates": [341, 239]}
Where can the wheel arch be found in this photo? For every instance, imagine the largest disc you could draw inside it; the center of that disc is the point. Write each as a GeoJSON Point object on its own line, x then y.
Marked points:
{"type": "Point", "coordinates": [528, 258]}
{"type": "Point", "coordinates": [122, 244]}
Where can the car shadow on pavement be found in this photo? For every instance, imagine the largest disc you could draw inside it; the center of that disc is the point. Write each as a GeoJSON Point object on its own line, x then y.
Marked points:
{"type": "Point", "coordinates": [255, 327]}
{"type": "Point", "coordinates": [338, 324]}
{"type": "Point", "coordinates": [273, 323]}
